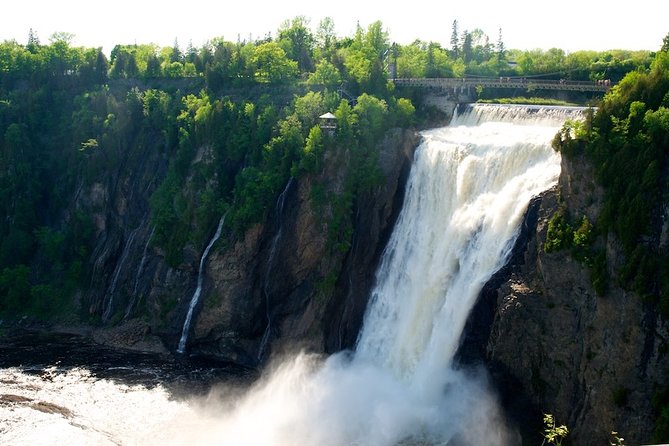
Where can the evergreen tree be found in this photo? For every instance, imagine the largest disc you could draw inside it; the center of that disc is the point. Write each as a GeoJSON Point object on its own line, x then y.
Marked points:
{"type": "Point", "coordinates": [176, 55]}
{"type": "Point", "coordinates": [101, 66]}
{"type": "Point", "coordinates": [33, 42]}
{"type": "Point", "coordinates": [467, 47]}
{"type": "Point", "coordinates": [153, 69]}
{"type": "Point", "coordinates": [500, 46]}
{"type": "Point", "coordinates": [455, 41]}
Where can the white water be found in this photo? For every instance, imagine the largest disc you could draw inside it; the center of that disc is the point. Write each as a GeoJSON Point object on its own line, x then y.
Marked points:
{"type": "Point", "coordinates": [198, 291]}
{"type": "Point", "coordinates": [468, 191]}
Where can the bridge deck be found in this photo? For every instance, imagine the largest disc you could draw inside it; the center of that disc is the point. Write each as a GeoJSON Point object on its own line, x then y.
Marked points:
{"type": "Point", "coordinates": [503, 82]}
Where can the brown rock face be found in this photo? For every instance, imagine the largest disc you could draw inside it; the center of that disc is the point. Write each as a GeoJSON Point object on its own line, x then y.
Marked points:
{"type": "Point", "coordinates": [556, 347]}
{"type": "Point", "coordinates": [283, 287]}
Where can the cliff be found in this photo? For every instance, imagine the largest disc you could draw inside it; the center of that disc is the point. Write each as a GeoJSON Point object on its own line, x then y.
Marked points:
{"type": "Point", "coordinates": [281, 284]}
{"type": "Point", "coordinates": [554, 346]}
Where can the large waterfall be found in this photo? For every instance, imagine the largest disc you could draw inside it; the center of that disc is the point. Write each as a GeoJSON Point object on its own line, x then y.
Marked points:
{"type": "Point", "coordinates": [468, 191]}
{"type": "Point", "coordinates": [469, 188]}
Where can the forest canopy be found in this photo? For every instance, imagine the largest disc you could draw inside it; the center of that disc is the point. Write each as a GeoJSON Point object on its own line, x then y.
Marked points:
{"type": "Point", "coordinates": [72, 117]}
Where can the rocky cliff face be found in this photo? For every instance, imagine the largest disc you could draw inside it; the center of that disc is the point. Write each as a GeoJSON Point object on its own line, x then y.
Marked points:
{"type": "Point", "coordinates": [554, 346]}
{"type": "Point", "coordinates": [281, 285]}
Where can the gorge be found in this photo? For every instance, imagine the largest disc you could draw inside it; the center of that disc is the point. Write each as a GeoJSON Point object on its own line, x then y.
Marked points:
{"type": "Point", "coordinates": [469, 188]}
{"type": "Point", "coordinates": [187, 256]}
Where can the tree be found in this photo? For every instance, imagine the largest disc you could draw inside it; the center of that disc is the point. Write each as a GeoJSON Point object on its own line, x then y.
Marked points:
{"type": "Point", "coordinates": [467, 47]}
{"type": "Point", "coordinates": [326, 37]}
{"type": "Point", "coordinates": [176, 55]}
{"type": "Point", "coordinates": [455, 41]}
{"type": "Point", "coordinates": [411, 62]}
{"type": "Point", "coordinates": [269, 63]}
{"type": "Point", "coordinates": [153, 69]}
{"type": "Point", "coordinates": [33, 42]}
{"type": "Point", "coordinates": [325, 74]}
{"type": "Point", "coordinates": [665, 43]}
{"type": "Point", "coordinates": [371, 113]}
{"type": "Point", "coordinates": [298, 42]}
{"type": "Point", "coordinates": [500, 46]}
{"type": "Point", "coordinates": [308, 108]}
{"type": "Point", "coordinates": [364, 58]}
{"type": "Point", "coordinates": [191, 53]}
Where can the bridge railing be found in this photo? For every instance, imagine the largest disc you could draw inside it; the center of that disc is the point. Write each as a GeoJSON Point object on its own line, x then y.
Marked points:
{"type": "Point", "coordinates": [504, 82]}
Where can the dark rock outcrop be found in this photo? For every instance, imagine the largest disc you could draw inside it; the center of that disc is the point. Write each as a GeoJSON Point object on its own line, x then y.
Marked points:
{"type": "Point", "coordinates": [555, 346]}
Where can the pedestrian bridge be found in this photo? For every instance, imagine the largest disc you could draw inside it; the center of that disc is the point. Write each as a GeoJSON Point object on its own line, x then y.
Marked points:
{"type": "Point", "coordinates": [465, 83]}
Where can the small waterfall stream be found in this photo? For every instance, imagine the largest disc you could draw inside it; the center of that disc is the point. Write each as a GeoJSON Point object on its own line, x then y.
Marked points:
{"type": "Point", "coordinates": [270, 263]}
{"type": "Point", "coordinates": [198, 290]}
{"type": "Point", "coordinates": [106, 315]}
{"type": "Point", "coordinates": [140, 270]}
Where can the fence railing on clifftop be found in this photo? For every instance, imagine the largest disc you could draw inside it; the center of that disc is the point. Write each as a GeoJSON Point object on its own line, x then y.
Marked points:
{"type": "Point", "coordinates": [504, 82]}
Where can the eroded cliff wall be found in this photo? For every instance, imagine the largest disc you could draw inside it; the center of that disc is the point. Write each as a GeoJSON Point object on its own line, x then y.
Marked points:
{"type": "Point", "coordinates": [554, 345]}
{"type": "Point", "coordinates": [280, 285]}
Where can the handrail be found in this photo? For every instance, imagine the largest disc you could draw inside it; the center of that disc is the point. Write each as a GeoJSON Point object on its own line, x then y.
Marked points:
{"type": "Point", "coordinates": [505, 82]}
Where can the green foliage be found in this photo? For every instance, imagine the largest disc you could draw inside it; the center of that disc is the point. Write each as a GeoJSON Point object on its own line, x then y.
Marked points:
{"type": "Point", "coordinates": [553, 434]}
{"type": "Point", "coordinates": [582, 238]}
{"type": "Point", "coordinates": [559, 234]}
{"type": "Point", "coordinates": [626, 141]}
{"type": "Point", "coordinates": [70, 118]}
{"type": "Point", "coordinates": [311, 158]}
{"type": "Point", "coordinates": [297, 41]}
{"type": "Point", "coordinates": [325, 74]}
{"type": "Point", "coordinates": [371, 118]}
{"type": "Point", "coordinates": [309, 107]}
{"type": "Point", "coordinates": [405, 112]}
{"type": "Point", "coordinates": [616, 440]}
{"type": "Point", "coordinates": [269, 63]}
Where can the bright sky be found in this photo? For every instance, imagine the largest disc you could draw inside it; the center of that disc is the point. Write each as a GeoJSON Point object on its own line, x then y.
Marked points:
{"type": "Point", "coordinates": [526, 24]}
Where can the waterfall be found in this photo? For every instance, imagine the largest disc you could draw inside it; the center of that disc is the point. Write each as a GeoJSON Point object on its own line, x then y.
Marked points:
{"type": "Point", "coordinates": [198, 290]}
{"type": "Point", "coordinates": [270, 263]}
{"type": "Point", "coordinates": [140, 270]}
{"type": "Point", "coordinates": [466, 196]}
{"type": "Point", "coordinates": [469, 189]}
{"type": "Point", "coordinates": [117, 272]}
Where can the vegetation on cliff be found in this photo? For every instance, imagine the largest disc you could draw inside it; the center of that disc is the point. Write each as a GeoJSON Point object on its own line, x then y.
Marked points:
{"type": "Point", "coordinates": [230, 122]}
{"type": "Point", "coordinates": [627, 141]}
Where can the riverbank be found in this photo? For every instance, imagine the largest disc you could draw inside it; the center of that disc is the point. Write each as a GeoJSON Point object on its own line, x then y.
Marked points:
{"type": "Point", "coordinates": [134, 335]}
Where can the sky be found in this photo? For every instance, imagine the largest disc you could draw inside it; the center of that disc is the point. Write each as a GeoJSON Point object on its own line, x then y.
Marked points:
{"type": "Point", "coordinates": [526, 24]}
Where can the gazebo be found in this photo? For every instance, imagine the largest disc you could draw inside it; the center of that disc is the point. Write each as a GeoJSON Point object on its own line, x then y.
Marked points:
{"type": "Point", "coordinates": [328, 123]}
